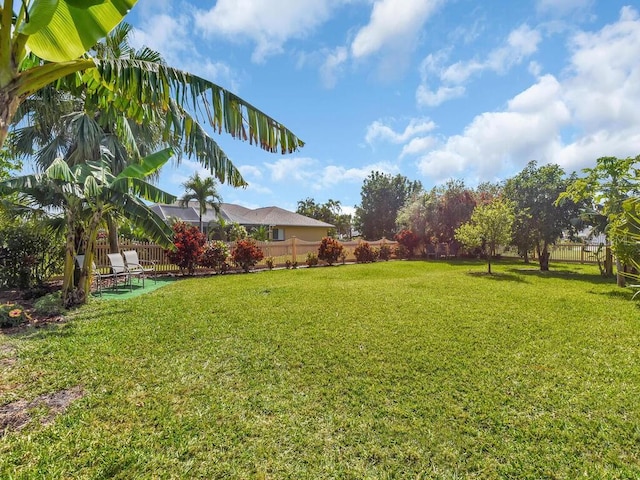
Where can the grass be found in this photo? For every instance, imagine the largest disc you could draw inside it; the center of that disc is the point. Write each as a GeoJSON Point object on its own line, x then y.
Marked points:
{"type": "Point", "coordinates": [388, 370]}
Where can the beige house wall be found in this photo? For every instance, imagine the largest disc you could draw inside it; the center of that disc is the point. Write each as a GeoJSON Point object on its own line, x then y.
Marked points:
{"type": "Point", "coordinates": [308, 234]}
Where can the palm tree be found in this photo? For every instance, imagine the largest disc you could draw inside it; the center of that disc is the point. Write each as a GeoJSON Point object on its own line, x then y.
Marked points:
{"type": "Point", "coordinates": [86, 193]}
{"type": "Point", "coordinates": [204, 191]}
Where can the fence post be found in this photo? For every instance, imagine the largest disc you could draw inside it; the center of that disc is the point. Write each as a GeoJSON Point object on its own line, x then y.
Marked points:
{"type": "Point", "coordinates": [294, 250]}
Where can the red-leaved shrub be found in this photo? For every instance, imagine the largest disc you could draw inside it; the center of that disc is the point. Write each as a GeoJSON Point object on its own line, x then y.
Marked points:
{"type": "Point", "coordinates": [189, 242]}
{"type": "Point", "coordinates": [330, 250]}
{"type": "Point", "coordinates": [408, 240]}
{"type": "Point", "coordinates": [246, 254]}
{"type": "Point", "coordinates": [364, 253]}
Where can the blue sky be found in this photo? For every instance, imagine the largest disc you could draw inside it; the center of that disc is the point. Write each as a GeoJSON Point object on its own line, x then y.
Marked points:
{"type": "Point", "coordinates": [430, 89]}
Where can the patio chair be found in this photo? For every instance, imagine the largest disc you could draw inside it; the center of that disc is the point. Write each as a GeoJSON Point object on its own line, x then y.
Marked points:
{"type": "Point", "coordinates": [135, 265]}
{"type": "Point", "coordinates": [95, 273]}
{"type": "Point", "coordinates": [119, 270]}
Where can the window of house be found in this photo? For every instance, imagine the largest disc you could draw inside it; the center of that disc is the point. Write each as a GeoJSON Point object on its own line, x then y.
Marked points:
{"type": "Point", "coordinates": [277, 234]}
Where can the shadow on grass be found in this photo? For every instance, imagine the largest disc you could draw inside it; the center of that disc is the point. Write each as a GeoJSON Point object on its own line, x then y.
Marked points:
{"type": "Point", "coordinates": [498, 276]}
{"type": "Point", "coordinates": [619, 294]}
{"type": "Point", "coordinates": [561, 272]}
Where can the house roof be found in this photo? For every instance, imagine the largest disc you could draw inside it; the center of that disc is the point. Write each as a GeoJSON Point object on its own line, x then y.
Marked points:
{"type": "Point", "coordinates": [230, 212]}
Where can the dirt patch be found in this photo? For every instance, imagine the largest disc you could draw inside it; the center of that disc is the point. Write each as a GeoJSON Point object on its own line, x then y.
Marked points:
{"type": "Point", "coordinates": [17, 415]}
{"type": "Point", "coordinates": [7, 355]}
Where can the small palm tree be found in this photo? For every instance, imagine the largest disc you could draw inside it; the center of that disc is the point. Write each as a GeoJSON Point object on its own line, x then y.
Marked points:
{"type": "Point", "coordinates": [204, 191]}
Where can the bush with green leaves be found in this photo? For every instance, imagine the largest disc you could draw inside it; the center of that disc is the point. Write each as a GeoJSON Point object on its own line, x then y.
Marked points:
{"type": "Point", "coordinates": [215, 255]}
{"type": "Point", "coordinates": [49, 305]}
{"type": "Point", "coordinates": [12, 315]}
{"type": "Point", "coordinates": [330, 250]}
{"type": "Point", "coordinates": [364, 253]}
{"type": "Point", "coordinates": [246, 254]}
{"type": "Point", "coordinates": [31, 252]}
{"type": "Point", "coordinates": [312, 259]}
{"type": "Point", "coordinates": [384, 252]}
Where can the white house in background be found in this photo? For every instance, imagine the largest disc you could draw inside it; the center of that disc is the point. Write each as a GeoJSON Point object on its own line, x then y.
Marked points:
{"type": "Point", "coordinates": [282, 224]}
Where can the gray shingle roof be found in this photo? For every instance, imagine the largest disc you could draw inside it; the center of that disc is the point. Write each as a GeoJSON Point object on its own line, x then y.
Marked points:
{"type": "Point", "coordinates": [239, 214]}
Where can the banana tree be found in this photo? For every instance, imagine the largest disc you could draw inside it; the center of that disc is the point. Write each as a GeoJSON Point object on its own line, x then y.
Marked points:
{"type": "Point", "coordinates": [85, 193]}
{"type": "Point", "coordinates": [42, 41]}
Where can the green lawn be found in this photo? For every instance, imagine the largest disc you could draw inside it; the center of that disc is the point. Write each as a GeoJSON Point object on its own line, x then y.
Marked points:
{"type": "Point", "coordinates": [388, 370]}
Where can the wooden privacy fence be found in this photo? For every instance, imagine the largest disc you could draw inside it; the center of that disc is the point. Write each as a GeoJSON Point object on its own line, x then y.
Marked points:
{"type": "Point", "coordinates": [293, 250]}
{"type": "Point", "coordinates": [296, 250]}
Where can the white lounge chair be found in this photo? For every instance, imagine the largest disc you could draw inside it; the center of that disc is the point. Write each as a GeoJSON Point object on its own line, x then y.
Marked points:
{"type": "Point", "coordinates": [94, 272]}
{"type": "Point", "coordinates": [137, 266]}
{"type": "Point", "coordinates": [119, 270]}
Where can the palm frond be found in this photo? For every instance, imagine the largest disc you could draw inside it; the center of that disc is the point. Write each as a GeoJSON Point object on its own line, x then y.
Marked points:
{"type": "Point", "coordinates": [149, 81]}
{"type": "Point", "coordinates": [143, 217]}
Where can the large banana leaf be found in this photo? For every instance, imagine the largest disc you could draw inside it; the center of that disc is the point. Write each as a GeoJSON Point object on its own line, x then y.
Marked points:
{"type": "Point", "coordinates": [63, 30]}
{"type": "Point", "coordinates": [149, 165]}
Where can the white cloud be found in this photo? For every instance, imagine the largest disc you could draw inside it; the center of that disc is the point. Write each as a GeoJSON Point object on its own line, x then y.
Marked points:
{"type": "Point", "coordinates": [417, 146]}
{"type": "Point", "coordinates": [334, 174]}
{"type": "Point", "coordinates": [426, 97]}
{"type": "Point", "coordinates": [494, 142]}
{"type": "Point", "coordinates": [297, 169]}
{"type": "Point", "coordinates": [417, 126]}
{"type": "Point", "coordinates": [520, 44]}
{"type": "Point", "coordinates": [170, 35]}
{"type": "Point", "coordinates": [595, 102]}
{"type": "Point", "coordinates": [392, 23]}
{"type": "Point", "coordinates": [332, 66]}
{"type": "Point", "coordinates": [250, 171]}
{"type": "Point", "coordinates": [269, 24]}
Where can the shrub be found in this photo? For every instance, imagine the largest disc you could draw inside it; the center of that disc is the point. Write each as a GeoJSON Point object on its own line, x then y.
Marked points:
{"type": "Point", "coordinates": [401, 251]}
{"type": "Point", "coordinates": [215, 255]}
{"type": "Point", "coordinates": [246, 254]}
{"type": "Point", "coordinates": [30, 253]}
{"type": "Point", "coordinates": [50, 305]}
{"type": "Point", "coordinates": [409, 240]}
{"type": "Point", "coordinates": [364, 253]}
{"type": "Point", "coordinates": [287, 264]}
{"type": "Point", "coordinates": [330, 250]}
{"type": "Point", "coordinates": [12, 315]}
{"type": "Point", "coordinates": [384, 252]}
{"type": "Point", "coordinates": [270, 263]}
{"type": "Point", "coordinates": [343, 256]}
{"type": "Point", "coordinates": [189, 242]}
{"type": "Point", "coordinates": [312, 259]}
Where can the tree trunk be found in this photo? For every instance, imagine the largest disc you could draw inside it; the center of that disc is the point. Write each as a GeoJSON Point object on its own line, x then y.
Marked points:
{"type": "Point", "coordinates": [9, 103]}
{"type": "Point", "coordinates": [620, 278]}
{"type": "Point", "coordinates": [84, 283]}
{"type": "Point", "coordinates": [489, 262]}
{"type": "Point", "coordinates": [112, 227]}
{"type": "Point", "coordinates": [68, 282]}
{"type": "Point", "coordinates": [543, 258]}
{"type": "Point", "coordinates": [608, 262]}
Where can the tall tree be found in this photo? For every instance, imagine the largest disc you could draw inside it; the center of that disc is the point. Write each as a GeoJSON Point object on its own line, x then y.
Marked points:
{"type": "Point", "coordinates": [382, 196]}
{"type": "Point", "coordinates": [490, 227]}
{"type": "Point", "coordinates": [540, 221]}
{"type": "Point", "coordinates": [603, 191]}
{"type": "Point", "coordinates": [202, 190]}
{"type": "Point", "coordinates": [329, 212]}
